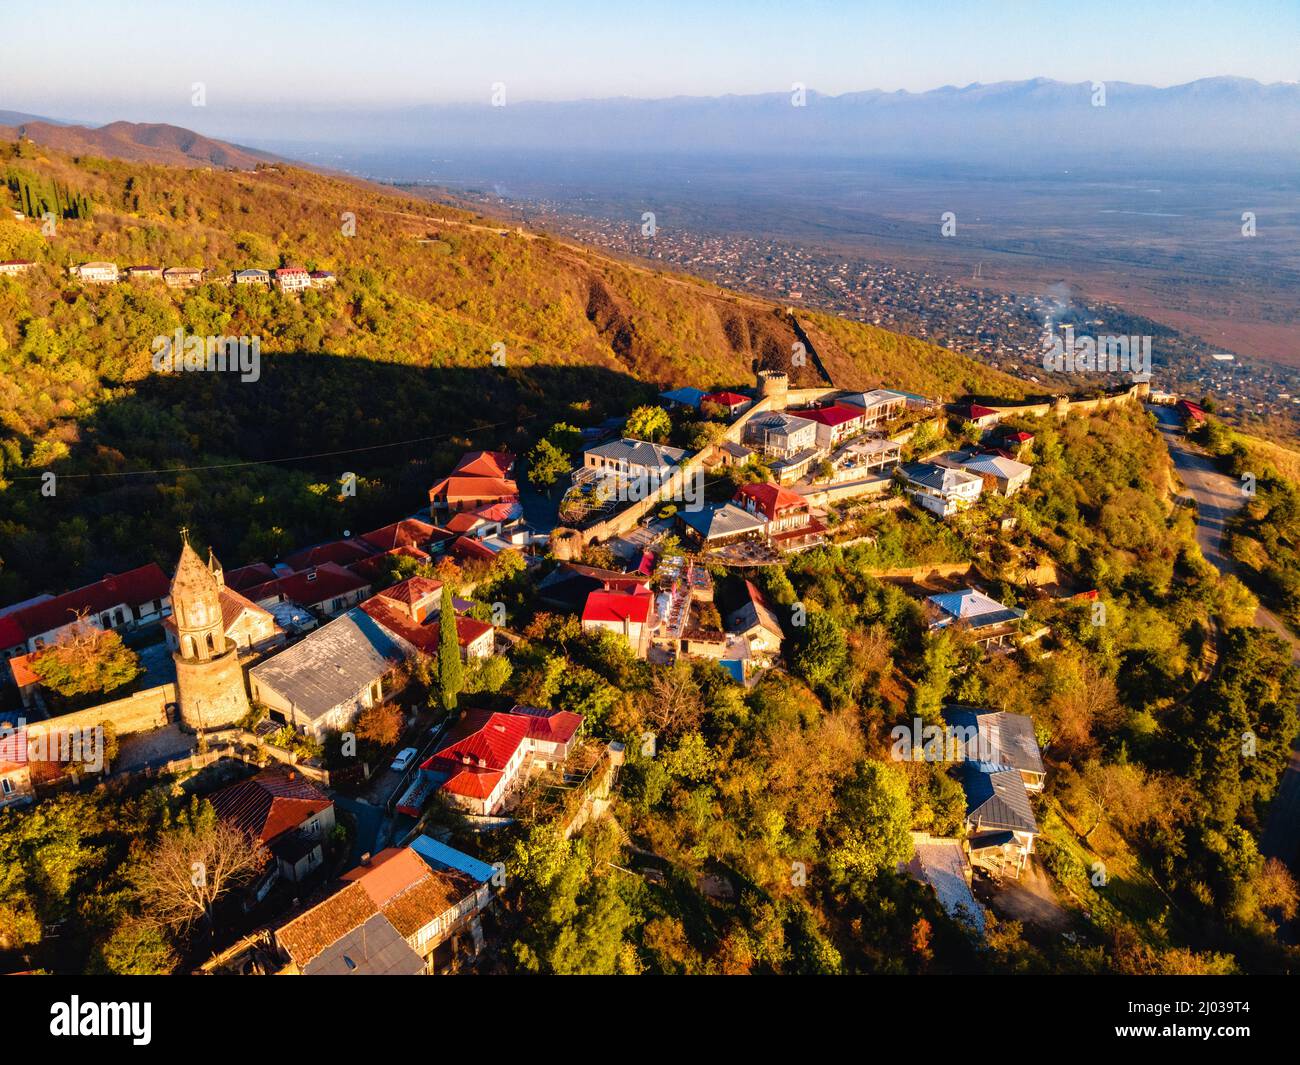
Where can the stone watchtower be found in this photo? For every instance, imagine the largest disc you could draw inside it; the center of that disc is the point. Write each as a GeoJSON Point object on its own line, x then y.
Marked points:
{"type": "Point", "coordinates": [209, 680]}
{"type": "Point", "coordinates": [773, 385]}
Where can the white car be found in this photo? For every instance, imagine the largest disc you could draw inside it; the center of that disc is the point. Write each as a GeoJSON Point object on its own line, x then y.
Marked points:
{"type": "Point", "coordinates": [403, 759]}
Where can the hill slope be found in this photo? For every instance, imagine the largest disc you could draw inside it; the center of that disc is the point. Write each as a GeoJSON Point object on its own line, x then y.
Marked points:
{"type": "Point", "coordinates": [144, 142]}
{"type": "Point", "coordinates": [400, 350]}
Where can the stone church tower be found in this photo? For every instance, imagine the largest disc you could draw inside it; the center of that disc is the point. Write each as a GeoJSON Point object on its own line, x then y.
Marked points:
{"type": "Point", "coordinates": [209, 680]}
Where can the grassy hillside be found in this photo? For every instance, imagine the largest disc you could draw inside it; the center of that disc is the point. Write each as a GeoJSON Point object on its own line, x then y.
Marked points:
{"type": "Point", "coordinates": [400, 350]}
{"type": "Point", "coordinates": [857, 355]}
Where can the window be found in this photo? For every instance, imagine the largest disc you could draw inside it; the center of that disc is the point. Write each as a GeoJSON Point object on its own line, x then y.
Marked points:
{"type": "Point", "coordinates": [6, 785]}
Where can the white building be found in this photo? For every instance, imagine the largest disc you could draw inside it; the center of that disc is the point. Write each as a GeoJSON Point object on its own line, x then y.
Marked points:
{"type": "Point", "coordinates": [940, 489]}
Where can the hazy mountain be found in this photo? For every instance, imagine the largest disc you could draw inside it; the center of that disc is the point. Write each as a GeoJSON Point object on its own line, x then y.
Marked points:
{"type": "Point", "coordinates": [18, 118]}
{"type": "Point", "coordinates": [137, 142]}
{"type": "Point", "coordinates": [1214, 115]}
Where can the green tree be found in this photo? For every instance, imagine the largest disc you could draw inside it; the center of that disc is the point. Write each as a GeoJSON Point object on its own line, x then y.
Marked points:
{"type": "Point", "coordinates": [451, 678]}
{"type": "Point", "coordinates": [136, 948]}
{"type": "Point", "coordinates": [820, 649]}
{"type": "Point", "coordinates": [567, 438]}
{"type": "Point", "coordinates": [546, 464]}
{"type": "Point", "coordinates": [874, 826]}
{"type": "Point", "coordinates": [649, 423]}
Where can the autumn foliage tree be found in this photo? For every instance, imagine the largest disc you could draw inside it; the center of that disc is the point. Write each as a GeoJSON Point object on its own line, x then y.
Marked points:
{"type": "Point", "coordinates": [86, 661]}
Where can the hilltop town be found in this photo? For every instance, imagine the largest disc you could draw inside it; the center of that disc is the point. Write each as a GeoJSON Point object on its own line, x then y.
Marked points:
{"type": "Point", "coordinates": [759, 643]}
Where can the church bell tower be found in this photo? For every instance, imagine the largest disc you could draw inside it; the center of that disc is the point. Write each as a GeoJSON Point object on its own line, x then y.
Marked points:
{"type": "Point", "coordinates": [209, 681]}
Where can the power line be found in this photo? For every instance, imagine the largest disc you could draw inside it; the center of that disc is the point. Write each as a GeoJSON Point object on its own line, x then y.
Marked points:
{"type": "Point", "coordinates": [286, 458]}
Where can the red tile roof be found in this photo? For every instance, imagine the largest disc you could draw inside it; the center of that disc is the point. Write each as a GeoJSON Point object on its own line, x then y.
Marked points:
{"type": "Point", "coordinates": [389, 873]}
{"type": "Point", "coordinates": [465, 521]}
{"type": "Point", "coordinates": [270, 804]}
{"type": "Point", "coordinates": [340, 552]}
{"type": "Point", "coordinates": [496, 511]}
{"type": "Point", "coordinates": [20, 667]}
{"type": "Point", "coordinates": [458, 488]}
{"type": "Point", "coordinates": [770, 499]}
{"type": "Point", "coordinates": [836, 414]}
{"type": "Point", "coordinates": [250, 576]}
{"type": "Point", "coordinates": [724, 399]}
{"type": "Point", "coordinates": [411, 591]}
{"type": "Point", "coordinates": [467, 547]}
{"type": "Point", "coordinates": [483, 736]}
{"type": "Point", "coordinates": [376, 566]}
{"type": "Point", "coordinates": [554, 726]}
{"type": "Point", "coordinates": [633, 607]}
{"type": "Point", "coordinates": [422, 636]}
{"type": "Point", "coordinates": [485, 464]}
{"type": "Point", "coordinates": [472, 782]}
{"type": "Point", "coordinates": [316, 585]}
{"type": "Point", "coordinates": [132, 588]}
{"type": "Point", "coordinates": [409, 532]}
{"type": "Point", "coordinates": [975, 410]}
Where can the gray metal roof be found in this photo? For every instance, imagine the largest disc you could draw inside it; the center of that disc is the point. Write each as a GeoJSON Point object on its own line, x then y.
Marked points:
{"type": "Point", "coordinates": [941, 478]}
{"type": "Point", "coordinates": [997, 800]}
{"type": "Point", "coordinates": [331, 665]}
{"type": "Point", "coordinates": [875, 398]}
{"type": "Point", "coordinates": [1008, 739]}
{"type": "Point", "coordinates": [639, 453]}
{"type": "Point", "coordinates": [374, 949]}
{"type": "Point", "coordinates": [779, 422]}
{"type": "Point", "coordinates": [726, 519]}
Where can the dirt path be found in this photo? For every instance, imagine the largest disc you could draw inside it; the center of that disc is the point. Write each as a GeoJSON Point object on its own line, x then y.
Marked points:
{"type": "Point", "coordinates": [1218, 498]}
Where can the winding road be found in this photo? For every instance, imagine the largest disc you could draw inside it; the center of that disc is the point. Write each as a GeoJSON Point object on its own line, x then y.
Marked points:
{"type": "Point", "coordinates": [1218, 497]}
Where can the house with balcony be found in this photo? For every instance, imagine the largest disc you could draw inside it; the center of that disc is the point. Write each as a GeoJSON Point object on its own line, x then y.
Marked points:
{"type": "Point", "coordinates": [630, 614]}
{"type": "Point", "coordinates": [399, 913]}
{"type": "Point", "coordinates": [183, 276]}
{"type": "Point", "coordinates": [487, 756]}
{"type": "Point", "coordinates": [628, 461]}
{"type": "Point", "coordinates": [880, 405]}
{"type": "Point", "coordinates": [1001, 475]}
{"type": "Point", "coordinates": [291, 279]}
{"type": "Point", "coordinates": [835, 423]}
{"type": "Point", "coordinates": [989, 622]}
{"type": "Point", "coordinates": [781, 435]}
{"type": "Point", "coordinates": [789, 523]}
{"type": "Point", "coordinates": [941, 490]}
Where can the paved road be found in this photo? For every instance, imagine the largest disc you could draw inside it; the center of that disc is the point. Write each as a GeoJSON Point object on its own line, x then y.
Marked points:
{"type": "Point", "coordinates": [1218, 497]}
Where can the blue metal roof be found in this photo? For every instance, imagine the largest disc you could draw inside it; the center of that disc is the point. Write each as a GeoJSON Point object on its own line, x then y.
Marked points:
{"type": "Point", "coordinates": [439, 854]}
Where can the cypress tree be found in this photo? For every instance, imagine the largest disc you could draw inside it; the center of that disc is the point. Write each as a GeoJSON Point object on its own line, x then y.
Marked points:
{"type": "Point", "coordinates": [450, 675]}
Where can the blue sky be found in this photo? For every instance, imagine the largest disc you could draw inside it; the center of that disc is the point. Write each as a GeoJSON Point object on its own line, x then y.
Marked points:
{"type": "Point", "coordinates": [138, 59]}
